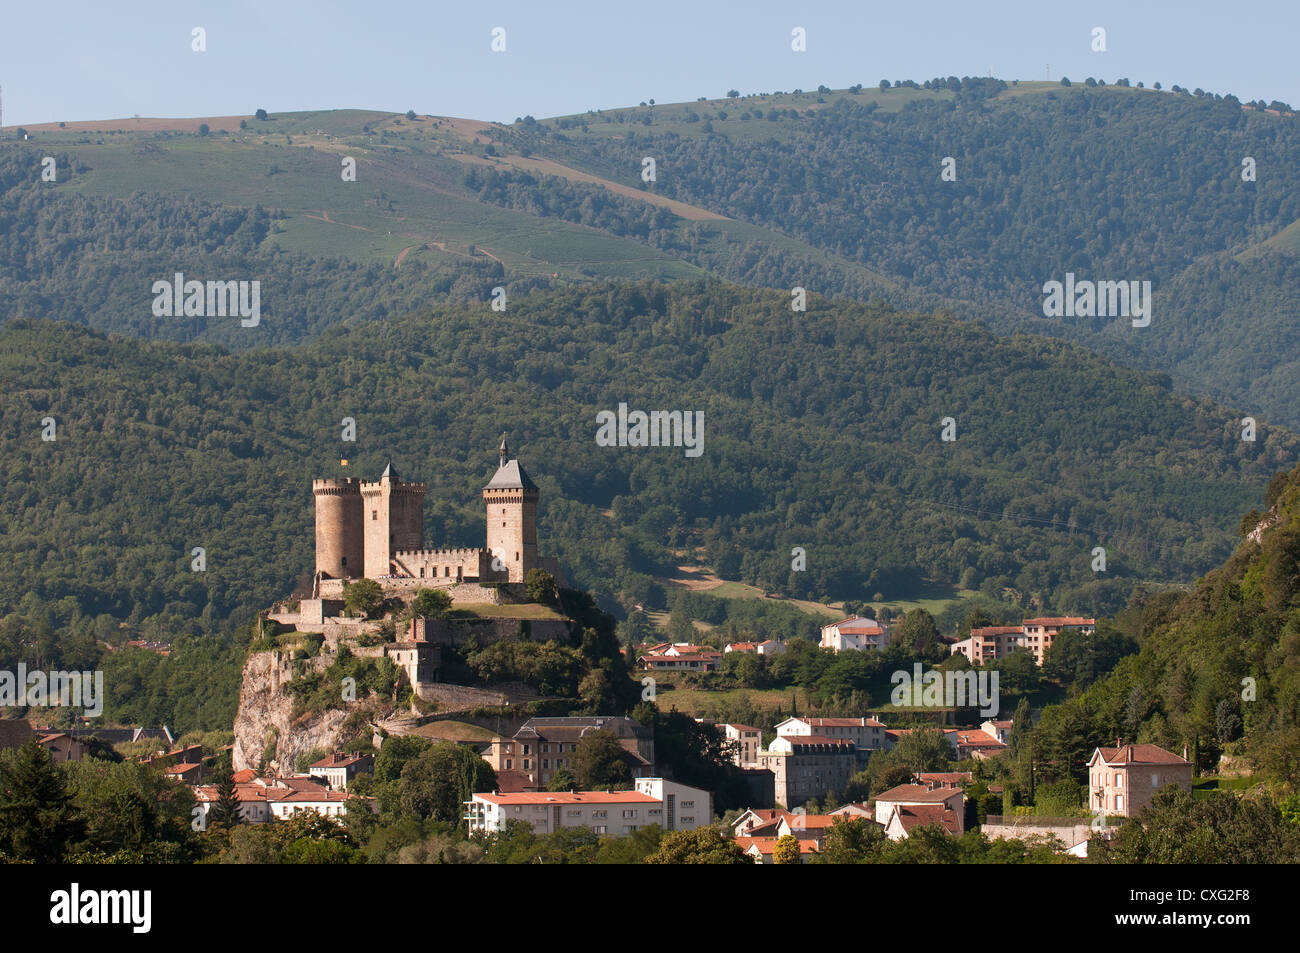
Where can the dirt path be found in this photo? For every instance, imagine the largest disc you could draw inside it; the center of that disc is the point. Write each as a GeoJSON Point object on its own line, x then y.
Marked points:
{"type": "Point", "coordinates": [324, 216]}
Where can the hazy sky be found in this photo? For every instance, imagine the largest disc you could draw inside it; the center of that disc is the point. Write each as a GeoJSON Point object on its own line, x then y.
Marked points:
{"type": "Point", "coordinates": [83, 60]}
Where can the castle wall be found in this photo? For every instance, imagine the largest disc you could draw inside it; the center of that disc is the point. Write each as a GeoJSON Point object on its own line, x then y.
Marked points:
{"type": "Point", "coordinates": [444, 566]}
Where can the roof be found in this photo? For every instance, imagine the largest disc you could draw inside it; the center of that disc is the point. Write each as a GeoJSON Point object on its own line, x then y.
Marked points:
{"type": "Point", "coordinates": [856, 622]}
{"type": "Point", "coordinates": [511, 476]}
{"type": "Point", "coordinates": [243, 777]}
{"type": "Point", "coordinates": [807, 741]}
{"type": "Point", "coordinates": [811, 822]}
{"type": "Point", "coordinates": [390, 472]}
{"type": "Point", "coordinates": [996, 630]}
{"type": "Point", "coordinates": [1138, 754]}
{"type": "Point", "coordinates": [767, 845]}
{"type": "Point", "coordinates": [921, 816]}
{"type": "Point", "coordinates": [978, 738]}
{"type": "Point", "coordinates": [917, 792]}
{"type": "Point", "coordinates": [1060, 620]}
{"type": "Point", "coordinates": [339, 761]}
{"type": "Point", "coordinates": [949, 777]}
{"type": "Point", "coordinates": [571, 797]}
{"type": "Point", "coordinates": [840, 722]}
{"type": "Point", "coordinates": [14, 732]}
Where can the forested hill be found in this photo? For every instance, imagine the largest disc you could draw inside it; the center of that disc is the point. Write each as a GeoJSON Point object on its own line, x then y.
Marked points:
{"type": "Point", "coordinates": [842, 192]}
{"type": "Point", "coordinates": [1107, 182]}
{"type": "Point", "coordinates": [822, 430]}
{"type": "Point", "coordinates": [1219, 668]}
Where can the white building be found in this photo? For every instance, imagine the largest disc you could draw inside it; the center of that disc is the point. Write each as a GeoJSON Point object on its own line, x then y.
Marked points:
{"type": "Point", "coordinates": [672, 806]}
{"type": "Point", "coordinates": [854, 634]}
{"type": "Point", "coordinates": [866, 734]}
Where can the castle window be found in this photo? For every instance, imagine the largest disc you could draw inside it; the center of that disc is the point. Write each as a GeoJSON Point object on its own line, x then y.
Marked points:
{"type": "Point", "coordinates": [374, 515]}
{"type": "Point", "coordinates": [421, 572]}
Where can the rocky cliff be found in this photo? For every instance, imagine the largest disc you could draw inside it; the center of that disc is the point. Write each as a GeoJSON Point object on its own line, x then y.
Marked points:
{"type": "Point", "coordinates": [264, 720]}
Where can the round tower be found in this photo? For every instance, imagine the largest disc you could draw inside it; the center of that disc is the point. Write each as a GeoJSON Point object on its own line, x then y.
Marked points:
{"type": "Point", "coordinates": [338, 528]}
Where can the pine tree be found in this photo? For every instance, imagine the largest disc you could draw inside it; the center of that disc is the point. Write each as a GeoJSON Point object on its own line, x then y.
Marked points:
{"type": "Point", "coordinates": [37, 819]}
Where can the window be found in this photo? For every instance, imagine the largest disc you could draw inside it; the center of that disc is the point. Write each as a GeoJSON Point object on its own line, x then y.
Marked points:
{"type": "Point", "coordinates": [688, 803]}
{"type": "Point", "coordinates": [526, 751]}
{"type": "Point", "coordinates": [509, 764]}
{"type": "Point", "coordinates": [600, 814]}
{"type": "Point", "coordinates": [374, 515]}
{"type": "Point", "coordinates": [546, 762]}
{"type": "Point", "coordinates": [600, 829]}
{"type": "Point", "coordinates": [527, 763]}
{"type": "Point", "coordinates": [629, 812]}
{"type": "Point", "coordinates": [546, 748]}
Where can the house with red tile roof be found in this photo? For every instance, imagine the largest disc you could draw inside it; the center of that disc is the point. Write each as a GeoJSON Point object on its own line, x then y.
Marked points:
{"type": "Point", "coordinates": [944, 805]}
{"type": "Point", "coordinates": [672, 806]}
{"type": "Point", "coordinates": [337, 769]}
{"type": "Point", "coordinates": [1122, 780]}
{"type": "Point", "coordinates": [1036, 635]}
{"type": "Point", "coordinates": [763, 849]}
{"type": "Point", "coordinates": [758, 822]}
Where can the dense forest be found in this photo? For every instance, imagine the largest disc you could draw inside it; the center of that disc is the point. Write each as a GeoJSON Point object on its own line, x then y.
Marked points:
{"type": "Point", "coordinates": [1108, 182]}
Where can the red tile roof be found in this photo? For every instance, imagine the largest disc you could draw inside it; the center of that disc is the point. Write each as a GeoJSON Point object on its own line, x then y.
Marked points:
{"type": "Point", "coordinates": [916, 792]}
{"type": "Point", "coordinates": [921, 816]}
{"type": "Point", "coordinates": [767, 845]}
{"type": "Point", "coordinates": [1059, 621]}
{"type": "Point", "coordinates": [1139, 754]}
{"type": "Point", "coordinates": [575, 797]}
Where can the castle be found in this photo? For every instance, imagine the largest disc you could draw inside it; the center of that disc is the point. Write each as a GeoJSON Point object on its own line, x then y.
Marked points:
{"type": "Point", "coordinates": [375, 530]}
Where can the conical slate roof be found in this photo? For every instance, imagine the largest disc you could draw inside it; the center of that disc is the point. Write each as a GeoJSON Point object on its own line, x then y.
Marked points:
{"type": "Point", "coordinates": [390, 473]}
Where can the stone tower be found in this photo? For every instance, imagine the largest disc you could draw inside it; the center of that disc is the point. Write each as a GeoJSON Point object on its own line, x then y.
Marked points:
{"type": "Point", "coordinates": [392, 513]}
{"type": "Point", "coordinates": [511, 502]}
{"type": "Point", "coordinates": [338, 528]}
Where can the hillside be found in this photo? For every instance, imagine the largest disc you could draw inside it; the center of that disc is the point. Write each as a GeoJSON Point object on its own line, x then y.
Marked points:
{"type": "Point", "coordinates": [814, 423]}
{"type": "Point", "coordinates": [1219, 668]}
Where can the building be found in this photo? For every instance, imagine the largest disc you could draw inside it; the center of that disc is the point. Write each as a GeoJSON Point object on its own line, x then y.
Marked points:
{"type": "Point", "coordinates": [866, 734]}
{"type": "Point", "coordinates": [999, 729]}
{"type": "Point", "coordinates": [63, 748]}
{"type": "Point", "coordinates": [679, 657]}
{"type": "Point", "coordinates": [670, 805]}
{"type": "Point", "coordinates": [542, 746]}
{"type": "Point", "coordinates": [759, 822]}
{"type": "Point", "coordinates": [746, 742]}
{"type": "Point", "coordinates": [763, 849]}
{"type": "Point", "coordinates": [808, 766]}
{"type": "Point", "coordinates": [976, 743]}
{"type": "Point", "coordinates": [376, 530]}
{"type": "Point", "coordinates": [1034, 635]}
{"type": "Point", "coordinates": [262, 799]}
{"type": "Point", "coordinates": [338, 769]}
{"type": "Point", "coordinates": [911, 805]}
{"type": "Point", "coordinates": [1123, 779]}
{"type": "Point", "coordinates": [856, 633]}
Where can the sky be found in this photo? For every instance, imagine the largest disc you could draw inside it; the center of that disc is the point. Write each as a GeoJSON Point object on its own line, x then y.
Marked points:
{"type": "Point", "coordinates": [83, 60]}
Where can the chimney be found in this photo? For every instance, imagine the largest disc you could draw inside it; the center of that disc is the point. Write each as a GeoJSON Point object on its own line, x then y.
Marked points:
{"type": "Point", "coordinates": [1184, 751]}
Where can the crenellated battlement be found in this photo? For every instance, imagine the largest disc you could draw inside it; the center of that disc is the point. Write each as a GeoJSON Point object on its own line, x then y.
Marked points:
{"type": "Point", "coordinates": [396, 489]}
{"type": "Point", "coordinates": [469, 551]}
{"type": "Point", "coordinates": [337, 487]}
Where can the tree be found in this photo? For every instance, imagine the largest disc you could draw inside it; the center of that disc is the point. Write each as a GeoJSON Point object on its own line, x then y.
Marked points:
{"type": "Point", "coordinates": [225, 812]}
{"type": "Point", "coordinates": [562, 780]}
{"type": "Point", "coordinates": [540, 586]}
{"type": "Point", "coordinates": [884, 85]}
{"type": "Point", "coordinates": [733, 93]}
{"type": "Point", "coordinates": [600, 763]}
{"type": "Point", "coordinates": [437, 783]}
{"type": "Point", "coordinates": [363, 597]}
{"type": "Point", "coordinates": [261, 114]}
{"type": "Point", "coordinates": [852, 841]}
{"type": "Point", "coordinates": [37, 820]}
{"type": "Point", "coordinates": [923, 749]}
{"type": "Point", "coordinates": [917, 632]}
{"type": "Point", "coordinates": [410, 114]}
{"type": "Point", "coordinates": [786, 850]}
{"type": "Point", "coordinates": [703, 845]}
{"type": "Point", "coordinates": [203, 129]}
{"type": "Point", "coordinates": [430, 604]}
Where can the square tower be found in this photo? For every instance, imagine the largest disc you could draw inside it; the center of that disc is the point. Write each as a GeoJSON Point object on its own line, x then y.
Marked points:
{"type": "Point", "coordinates": [392, 514]}
{"type": "Point", "coordinates": [510, 499]}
